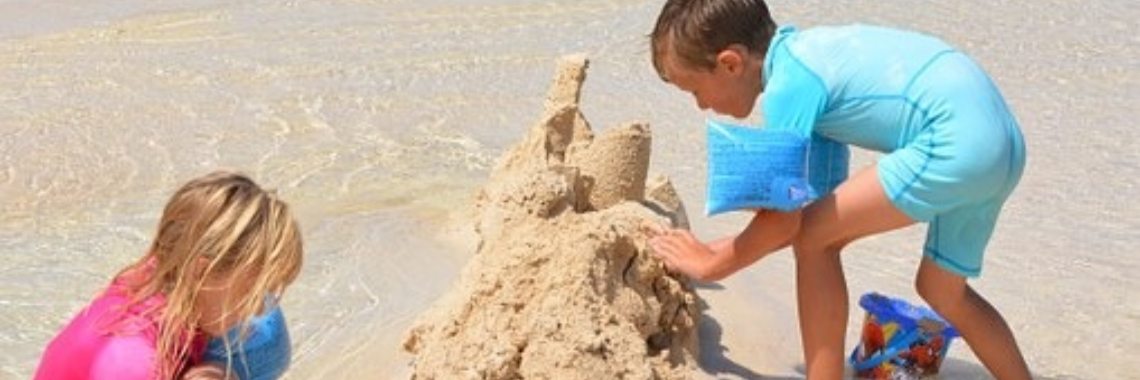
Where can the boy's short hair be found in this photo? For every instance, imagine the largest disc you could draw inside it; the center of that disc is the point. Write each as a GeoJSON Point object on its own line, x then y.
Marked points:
{"type": "Point", "coordinates": [697, 30]}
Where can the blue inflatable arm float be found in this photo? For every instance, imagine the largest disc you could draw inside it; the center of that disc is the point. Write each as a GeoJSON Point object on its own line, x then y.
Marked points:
{"type": "Point", "coordinates": [264, 354]}
{"type": "Point", "coordinates": [766, 168]}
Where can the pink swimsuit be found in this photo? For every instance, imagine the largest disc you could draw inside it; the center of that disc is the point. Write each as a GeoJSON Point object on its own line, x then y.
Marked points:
{"type": "Point", "coordinates": [93, 347]}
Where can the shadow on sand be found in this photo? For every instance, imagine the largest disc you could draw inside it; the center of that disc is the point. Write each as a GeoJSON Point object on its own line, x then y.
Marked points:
{"type": "Point", "coordinates": [714, 363]}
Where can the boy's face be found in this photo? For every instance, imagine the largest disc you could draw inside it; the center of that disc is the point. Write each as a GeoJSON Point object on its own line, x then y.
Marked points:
{"type": "Point", "coordinates": [730, 88]}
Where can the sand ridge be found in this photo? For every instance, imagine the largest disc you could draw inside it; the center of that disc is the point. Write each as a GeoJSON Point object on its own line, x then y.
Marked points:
{"type": "Point", "coordinates": [562, 285]}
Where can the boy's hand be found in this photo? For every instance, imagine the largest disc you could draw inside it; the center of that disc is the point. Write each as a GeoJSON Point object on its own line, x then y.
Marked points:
{"type": "Point", "coordinates": [682, 252]}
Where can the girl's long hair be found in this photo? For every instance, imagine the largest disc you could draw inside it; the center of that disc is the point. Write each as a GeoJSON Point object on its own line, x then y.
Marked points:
{"type": "Point", "coordinates": [220, 226]}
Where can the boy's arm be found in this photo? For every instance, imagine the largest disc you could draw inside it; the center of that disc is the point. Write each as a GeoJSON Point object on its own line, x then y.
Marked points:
{"type": "Point", "coordinates": [794, 98]}
{"type": "Point", "coordinates": [768, 232]}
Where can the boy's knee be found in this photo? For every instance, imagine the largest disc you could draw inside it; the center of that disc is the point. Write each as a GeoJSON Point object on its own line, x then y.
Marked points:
{"type": "Point", "coordinates": [939, 294]}
{"type": "Point", "coordinates": [810, 240]}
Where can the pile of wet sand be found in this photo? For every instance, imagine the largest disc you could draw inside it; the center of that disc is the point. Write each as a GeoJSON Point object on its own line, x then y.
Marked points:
{"type": "Point", "coordinates": [562, 285]}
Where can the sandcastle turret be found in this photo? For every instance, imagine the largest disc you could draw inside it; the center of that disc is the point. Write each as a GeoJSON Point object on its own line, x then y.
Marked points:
{"type": "Point", "coordinates": [562, 285]}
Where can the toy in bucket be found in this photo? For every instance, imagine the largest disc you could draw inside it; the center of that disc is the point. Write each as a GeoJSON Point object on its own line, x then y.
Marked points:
{"type": "Point", "coordinates": [900, 340]}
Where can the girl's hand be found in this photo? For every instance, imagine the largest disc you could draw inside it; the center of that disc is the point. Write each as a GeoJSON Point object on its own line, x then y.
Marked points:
{"type": "Point", "coordinates": [682, 252]}
{"type": "Point", "coordinates": [208, 371]}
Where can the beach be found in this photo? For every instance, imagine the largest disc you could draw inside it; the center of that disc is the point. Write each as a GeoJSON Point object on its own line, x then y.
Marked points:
{"type": "Point", "coordinates": [380, 121]}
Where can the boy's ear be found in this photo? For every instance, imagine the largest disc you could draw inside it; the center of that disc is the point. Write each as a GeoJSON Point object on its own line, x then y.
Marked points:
{"type": "Point", "coordinates": [731, 59]}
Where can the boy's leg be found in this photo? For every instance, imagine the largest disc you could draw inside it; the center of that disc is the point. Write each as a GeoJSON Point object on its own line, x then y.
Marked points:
{"type": "Point", "coordinates": [859, 207]}
{"type": "Point", "coordinates": [980, 324]}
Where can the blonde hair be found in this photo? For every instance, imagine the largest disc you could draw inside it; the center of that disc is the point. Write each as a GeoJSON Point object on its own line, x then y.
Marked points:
{"type": "Point", "coordinates": [221, 225]}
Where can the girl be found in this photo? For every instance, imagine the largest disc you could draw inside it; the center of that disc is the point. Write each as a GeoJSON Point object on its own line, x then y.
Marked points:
{"type": "Point", "coordinates": [224, 245]}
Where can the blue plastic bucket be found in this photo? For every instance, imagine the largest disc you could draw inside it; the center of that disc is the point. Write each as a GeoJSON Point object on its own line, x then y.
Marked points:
{"type": "Point", "coordinates": [900, 340]}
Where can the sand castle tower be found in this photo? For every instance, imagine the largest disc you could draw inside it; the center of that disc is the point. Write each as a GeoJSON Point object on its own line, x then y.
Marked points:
{"type": "Point", "coordinates": [562, 285]}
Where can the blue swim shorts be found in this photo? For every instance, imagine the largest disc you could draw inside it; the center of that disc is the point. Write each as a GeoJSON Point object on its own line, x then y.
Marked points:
{"type": "Point", "coordinates": [957, 171]}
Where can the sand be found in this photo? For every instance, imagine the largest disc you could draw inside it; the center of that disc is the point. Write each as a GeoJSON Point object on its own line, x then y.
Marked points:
{"type": "Point", "coordinates": [562, 285]}
{"type": "Point", "coordinates": [379, 119]}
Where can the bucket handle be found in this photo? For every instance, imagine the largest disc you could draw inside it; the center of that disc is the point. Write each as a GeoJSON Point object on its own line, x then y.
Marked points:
{"type": "Point", "coordinates": [896, 345]}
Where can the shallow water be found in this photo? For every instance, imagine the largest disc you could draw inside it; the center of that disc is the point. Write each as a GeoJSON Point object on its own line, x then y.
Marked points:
{"type": "Point", "coordinates": [377, 120]}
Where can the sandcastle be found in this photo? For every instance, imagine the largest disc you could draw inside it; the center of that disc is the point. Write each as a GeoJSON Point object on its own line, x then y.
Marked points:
{"type": "Point", "coordinates": [562, 285]}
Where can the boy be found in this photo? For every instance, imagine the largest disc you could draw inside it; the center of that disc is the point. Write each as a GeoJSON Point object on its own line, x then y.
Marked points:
{"type": "Point", "coordinates": [954, 153]}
